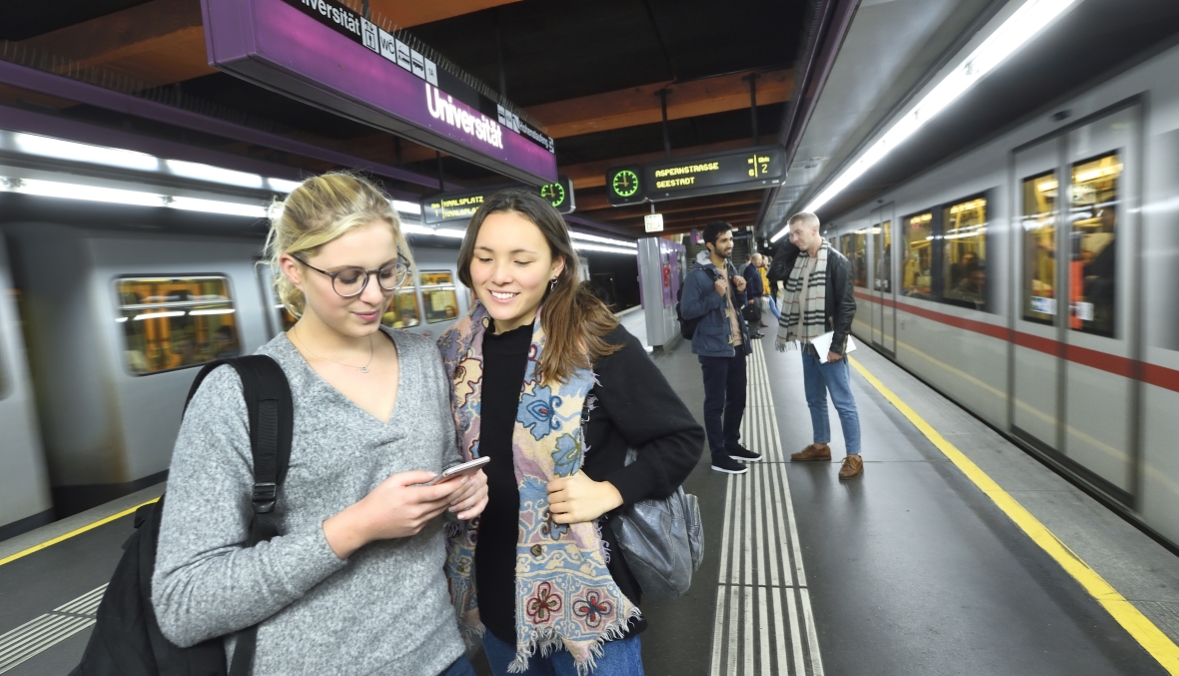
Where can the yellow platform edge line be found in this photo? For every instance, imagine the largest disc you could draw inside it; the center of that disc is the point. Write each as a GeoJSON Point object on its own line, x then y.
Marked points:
{"type": "Point", "coordinates": [1149, 636]}
{"type": "Point", "coordinates": [67, 536]}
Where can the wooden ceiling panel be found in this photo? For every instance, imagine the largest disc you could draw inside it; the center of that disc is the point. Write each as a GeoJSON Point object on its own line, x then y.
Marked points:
{"type": "Point", "coordinates": [407, 14]}
{"type": "Point", "coordinates": [159, 42]}
{"type": "Point", "coordinates": [642, 105]}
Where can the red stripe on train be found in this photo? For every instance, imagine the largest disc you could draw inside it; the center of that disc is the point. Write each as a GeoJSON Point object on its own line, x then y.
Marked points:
{"type": "Point", "coordinates": [1152, 374]}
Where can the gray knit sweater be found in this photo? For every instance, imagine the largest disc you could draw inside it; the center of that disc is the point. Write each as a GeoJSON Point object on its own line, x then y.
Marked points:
{"type": "Point", "coordinates": [386, 609]}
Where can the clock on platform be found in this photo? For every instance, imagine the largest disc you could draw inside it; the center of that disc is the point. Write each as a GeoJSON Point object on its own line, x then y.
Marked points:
{"type": "Point", "coordinates": [624, 186]}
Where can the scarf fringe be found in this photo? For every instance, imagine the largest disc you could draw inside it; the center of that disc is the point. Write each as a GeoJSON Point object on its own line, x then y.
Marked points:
{"type": "Point", "coordinates": [547, 641]}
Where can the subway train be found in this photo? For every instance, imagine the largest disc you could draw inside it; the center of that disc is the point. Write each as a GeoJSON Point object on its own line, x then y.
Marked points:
{"type": "Point", "coordinates": [105, 312]}
{"type": "Point", "coordinates": [1034, 280]}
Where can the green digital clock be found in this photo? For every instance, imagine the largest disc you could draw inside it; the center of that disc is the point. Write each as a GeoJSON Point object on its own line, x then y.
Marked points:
{"type": "Point", "coordinates": [554, 193]}
{"type": "Point", "coordinates": [626, 183]}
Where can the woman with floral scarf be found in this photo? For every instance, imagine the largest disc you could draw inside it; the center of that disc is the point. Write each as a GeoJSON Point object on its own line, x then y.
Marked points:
{"type": "Point", "coordinates": [547, 384]}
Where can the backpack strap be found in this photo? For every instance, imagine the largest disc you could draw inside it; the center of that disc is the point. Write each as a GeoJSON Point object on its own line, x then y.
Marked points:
{"type": "Point", "coordinates": [271, 415]}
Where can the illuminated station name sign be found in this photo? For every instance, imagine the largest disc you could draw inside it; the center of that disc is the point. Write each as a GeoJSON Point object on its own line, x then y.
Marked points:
{"type": "Point", "coordinates": [322, 53]}
{"type": "Point", "coordinates": [711, 174]}
{"type": "Point", "coordinates": [454, 206]}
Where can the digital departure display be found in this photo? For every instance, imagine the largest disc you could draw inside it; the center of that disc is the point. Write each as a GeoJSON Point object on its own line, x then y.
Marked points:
{"type": "Point", "coordinates": [324, 54]}
{"type": "Point", "coordinates": [715, 173]}
{"type": "Point", "coordinates": [449, 207]}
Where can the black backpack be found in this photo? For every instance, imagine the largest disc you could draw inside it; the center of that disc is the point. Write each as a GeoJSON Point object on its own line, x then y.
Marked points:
{"type": "Point", "coordinates": [127, 640]}
{"type": "Point", "coordinates": [688, 326]}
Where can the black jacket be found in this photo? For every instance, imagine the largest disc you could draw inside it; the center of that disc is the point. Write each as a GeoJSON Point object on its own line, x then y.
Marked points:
{"type": "Point", "coordinates": [752, 282]}
{"type": "Point", "coordinates": [840, 307]}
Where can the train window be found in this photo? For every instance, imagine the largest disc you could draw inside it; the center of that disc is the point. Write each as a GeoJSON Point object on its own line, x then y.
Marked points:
{"type": "Point", "coordinates": [859, 257]}
{"type": "Point", "coordinates": [439, 297]}
{"type": "Point", "coordinates": [845, 246]}
{"type": "Point", "coordinates": [170, 323]}
{"type": "Point", "coordinates": [917, 268]}
{"type": "Point", "coordinates": [1039, 237]}
{"type": "Point", "coordinates": [883, 239]}
{"type": "Point", "coordinates": [1093, 220]}
{"type": "Point", "coordinates": [964, 240]}
{"type": "Point", "coordinates": [403, 310]}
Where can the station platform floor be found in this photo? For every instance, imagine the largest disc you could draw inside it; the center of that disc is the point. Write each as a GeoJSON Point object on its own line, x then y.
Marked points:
{"type": "Point", "coordinates": [954, 553]}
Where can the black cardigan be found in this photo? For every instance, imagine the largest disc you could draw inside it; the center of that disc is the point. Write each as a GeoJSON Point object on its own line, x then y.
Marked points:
{"type": "Point", "coordinates": [635, 407]}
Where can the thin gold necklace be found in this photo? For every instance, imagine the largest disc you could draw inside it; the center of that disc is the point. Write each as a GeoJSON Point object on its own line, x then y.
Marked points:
{"type": "Point", "coordinates": [363, 369]}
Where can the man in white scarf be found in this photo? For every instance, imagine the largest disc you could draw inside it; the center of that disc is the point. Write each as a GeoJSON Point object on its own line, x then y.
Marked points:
{"type": "Point", "coordinates": [819, 299]}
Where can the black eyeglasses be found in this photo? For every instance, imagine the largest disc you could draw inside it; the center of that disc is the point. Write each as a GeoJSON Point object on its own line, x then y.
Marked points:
{"type": "Point", "coordinates": [351, 282]}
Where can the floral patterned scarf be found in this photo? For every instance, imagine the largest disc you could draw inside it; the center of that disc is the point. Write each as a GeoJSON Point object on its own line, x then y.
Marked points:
{"type": "Point", "coordinates": [565, 596]}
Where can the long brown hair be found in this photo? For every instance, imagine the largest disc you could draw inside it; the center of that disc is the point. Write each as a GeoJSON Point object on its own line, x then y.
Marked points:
{"type": "Point", "coordinates": [575, 322]}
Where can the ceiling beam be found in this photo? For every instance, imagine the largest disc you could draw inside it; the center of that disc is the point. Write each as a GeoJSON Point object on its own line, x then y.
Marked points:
{"type": "Point", "coordinates": [676, 206]}
{"type": "Point", "coordinates": [641, 105]}
{"type": "Point", "coordinates": [593, 174]}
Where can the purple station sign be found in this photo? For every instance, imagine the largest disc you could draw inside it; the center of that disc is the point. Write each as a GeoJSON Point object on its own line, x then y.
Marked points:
{"type": "Point", "coordinates": [322, 53]}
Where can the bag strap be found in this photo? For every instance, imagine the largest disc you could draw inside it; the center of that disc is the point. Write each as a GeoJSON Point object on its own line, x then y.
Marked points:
{"type": "Point", "coordinates": [271, 415]}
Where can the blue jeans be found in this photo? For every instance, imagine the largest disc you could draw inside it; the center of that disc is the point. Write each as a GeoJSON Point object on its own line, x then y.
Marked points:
{"type": "Point", "coordinates": [460, 667]}
{"type": "Point", "coordinates": [833, 377]}
{"type": "Point", "coordinates": [724, 400]}
{"type": "Point", "coordinates": [619, 658]}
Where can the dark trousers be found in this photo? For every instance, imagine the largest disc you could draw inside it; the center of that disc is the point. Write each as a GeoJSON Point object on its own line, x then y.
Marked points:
{"type": "Point", "coordinates": [724, 400]}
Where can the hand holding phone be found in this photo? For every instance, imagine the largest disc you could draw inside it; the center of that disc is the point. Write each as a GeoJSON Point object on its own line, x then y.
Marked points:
{"type": "Point", "coordinates": [459, 470]}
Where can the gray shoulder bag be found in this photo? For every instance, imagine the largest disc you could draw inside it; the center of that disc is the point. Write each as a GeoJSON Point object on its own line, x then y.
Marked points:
{"type": "Point", "coordinates": [662, 540]}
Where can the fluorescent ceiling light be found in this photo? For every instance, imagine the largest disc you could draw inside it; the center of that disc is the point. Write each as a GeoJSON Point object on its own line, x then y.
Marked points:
{"type": "Point", "coordinates": [603, 240]}
{"type": "Point", "coordinates": [1024, 24]}
{"type": "Point", "coordinates": [407, 207]}
{"type": "Point", "coordinates": [207, 172]}
{"type": "Point", "coordinates": [604, 249]}
{"type": "Point", "coordinates": [87, 193]}
{"type": "Point", "coordinates": [218, 207]}
{"type": "Point", "coordinates": [282, 185]}
{"type": "Point", "coordinates": [82, 152]}
{"type": "Point", "coordinates": [450, 232]}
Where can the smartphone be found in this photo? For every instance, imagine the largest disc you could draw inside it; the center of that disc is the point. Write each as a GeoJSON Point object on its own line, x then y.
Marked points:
{"type": "Point", "coordinates": [461, 469]}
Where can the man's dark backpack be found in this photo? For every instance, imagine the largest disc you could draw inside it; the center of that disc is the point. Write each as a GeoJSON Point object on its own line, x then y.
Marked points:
{"type": "Point", "coordinates": [126, 640]}
{"type": "Point", "coordinates": [688, 326]}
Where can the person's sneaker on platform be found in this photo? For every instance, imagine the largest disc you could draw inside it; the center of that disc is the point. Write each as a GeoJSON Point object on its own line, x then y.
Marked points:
{"type": "Point", "coordinates": [813, 453]}
{"type": "Point", "coordinates": [742, 453]}
{"type": "Point", "coordinates": [723, 463]}
{"type": "Point", "coordinates": [853, 466]}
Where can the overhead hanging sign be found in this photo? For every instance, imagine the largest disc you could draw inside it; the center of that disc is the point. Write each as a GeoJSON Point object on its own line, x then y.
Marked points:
{"type": "Point", "coordinates": [448, 207]}
{"type": "Point", "coordinates": [323, 54]}
{"type": "Point", "coordinates": [653, 222]}
{"type": "Point", "coordinates": [715, 173]}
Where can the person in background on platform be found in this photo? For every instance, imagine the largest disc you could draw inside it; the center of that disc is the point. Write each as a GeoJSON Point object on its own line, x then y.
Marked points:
{"type": "Point", "coordinates": [753, 291]}
{"type": "Point", "coordinates": [550, 386]}
{"type": "Point", "coordinates": [763, 267]}
{"type": "Point", "coordinates": [355, 583]}
{"type": "Point", "coordinates": [713, 291]}
{"type": "Point", "coordinates": [819, 298]}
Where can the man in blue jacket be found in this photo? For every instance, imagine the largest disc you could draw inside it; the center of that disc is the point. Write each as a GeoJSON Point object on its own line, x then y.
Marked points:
{"type": "Point", "coordinates": [714, 292]}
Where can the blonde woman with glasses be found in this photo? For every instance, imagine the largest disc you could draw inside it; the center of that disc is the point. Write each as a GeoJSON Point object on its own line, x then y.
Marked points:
{"type": "Point", "coordinates": [354, 584]}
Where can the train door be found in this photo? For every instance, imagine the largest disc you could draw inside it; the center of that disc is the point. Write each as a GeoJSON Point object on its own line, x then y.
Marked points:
{"type": "Point", "coordinates": [1035, 352]}
{"type": "Point", "coordinates": [883, 295]}
{"type": "Point", "coordinates": [1100, 324]}
{"type": "Point", "coordinates": [1076, 325]}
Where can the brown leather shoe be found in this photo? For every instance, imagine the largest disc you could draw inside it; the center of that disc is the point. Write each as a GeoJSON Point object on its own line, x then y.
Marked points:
{"type": "Point", "coordinates": [814, 452]}
{"type": "Point", "coordinates": [853, 466]}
